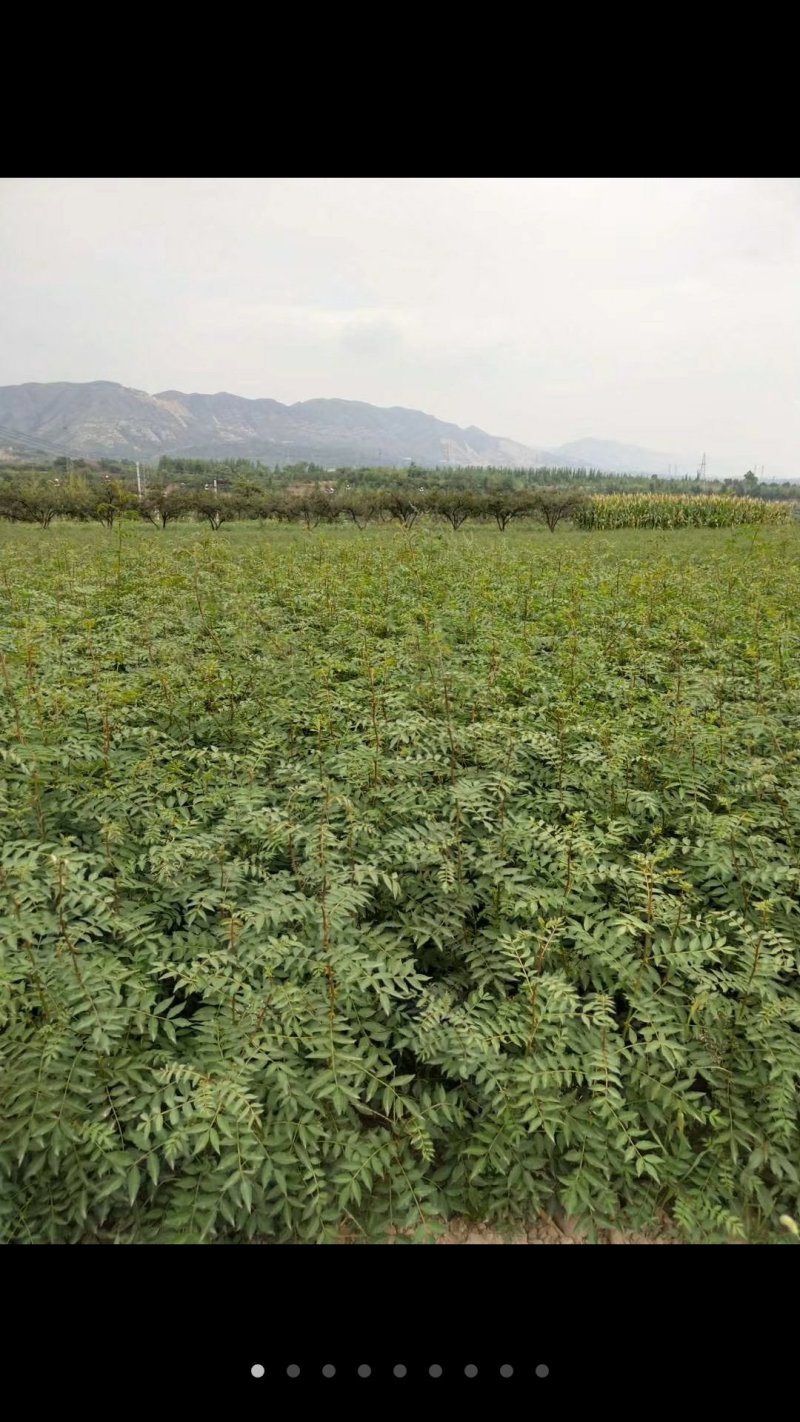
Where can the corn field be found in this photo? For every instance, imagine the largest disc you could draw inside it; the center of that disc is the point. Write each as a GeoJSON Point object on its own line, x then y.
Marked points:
{"type": "Point", "coordinates": [608, 511]}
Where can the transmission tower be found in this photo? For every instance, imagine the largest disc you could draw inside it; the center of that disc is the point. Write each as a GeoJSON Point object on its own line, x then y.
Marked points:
{"type": "Point", "coordinates": [701, 473]}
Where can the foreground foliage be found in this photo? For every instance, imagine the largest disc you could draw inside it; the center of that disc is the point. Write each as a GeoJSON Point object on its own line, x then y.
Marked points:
{"type": "Point", "coordinates": [367, 876]}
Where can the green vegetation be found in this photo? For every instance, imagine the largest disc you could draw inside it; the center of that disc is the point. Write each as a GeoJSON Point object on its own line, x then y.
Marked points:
{"type": "Point", "coordinates": [367, 876]}
{"type": "Point", "coordinates": [606, 511]}
{"type": "Point", "coordinates": [229, 473]}
{"type": "Point", "coordinates": [247, 477]}
{"type": "Point", "coordinates": [37, 498]}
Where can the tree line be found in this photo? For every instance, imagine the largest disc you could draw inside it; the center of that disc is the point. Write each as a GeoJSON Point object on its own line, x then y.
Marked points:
{"type": "Point", "coordinates": [241, 475]}
{"type": "Point", "coordinates": [479, 479]}
{"type": "Point", "coordinates": [42, 499]}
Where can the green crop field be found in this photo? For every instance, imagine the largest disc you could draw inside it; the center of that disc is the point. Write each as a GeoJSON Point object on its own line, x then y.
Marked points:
{"type": "Point", "coordinates": [361, 878]}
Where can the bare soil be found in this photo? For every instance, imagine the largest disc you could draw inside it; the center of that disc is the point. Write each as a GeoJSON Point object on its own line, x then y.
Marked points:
{"type": "Point", "coordinates": [561, 1229]}
{"type": "Point", "coordinates": [549, 1231]}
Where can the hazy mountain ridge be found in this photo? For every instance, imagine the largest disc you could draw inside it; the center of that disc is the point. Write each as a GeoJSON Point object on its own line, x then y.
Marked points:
{"type": "Point", "coordinates": [103, 418]}
{"type": "Point", "coordinates": [626, 458]}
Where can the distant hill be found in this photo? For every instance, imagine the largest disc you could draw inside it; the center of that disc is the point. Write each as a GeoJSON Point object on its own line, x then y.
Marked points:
{"type": "Point", "coordinates": [101, 418]}
{"type": "Point", "coordinates": [614, 458]}
{"type": "Point", "coordinates": [624, 458]}
{"type": "Point", "coordinates": [104, 419]}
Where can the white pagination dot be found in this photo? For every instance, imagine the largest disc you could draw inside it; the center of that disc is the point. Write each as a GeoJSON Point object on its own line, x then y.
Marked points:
{"type": "Point", "coordinates": [258, 1370]}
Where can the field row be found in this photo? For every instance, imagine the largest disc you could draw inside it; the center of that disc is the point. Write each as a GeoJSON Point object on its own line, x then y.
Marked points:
{"type": "Point", "coordinates": [355, 879]}
{"type": "Point", "coordinates": [42, 500]}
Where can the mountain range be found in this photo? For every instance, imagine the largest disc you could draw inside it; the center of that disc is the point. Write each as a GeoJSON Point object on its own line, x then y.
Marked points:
{"type": "Point", "coordinates": [103, 419]}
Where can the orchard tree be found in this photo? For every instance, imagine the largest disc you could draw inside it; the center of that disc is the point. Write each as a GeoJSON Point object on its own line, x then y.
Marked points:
{"type": "Point", "coordinates": [360, 507]}
{"type": "Point", "coordinates": [402, 506]}
{"type": "Point", "coordinates": [314, 507]}
{"type": "Point", "coordinates": [504, 505]}
{"type": "Point", "coordinates": [109, 501]}
{"type": "Point", "coordinates": [455, 505]}
{"type": "Point", "coordinates": [163, 506]}
{"type": "Point", "coordinates": [553, 505]}
{"type": "Point", "coordinates": [215, 509]}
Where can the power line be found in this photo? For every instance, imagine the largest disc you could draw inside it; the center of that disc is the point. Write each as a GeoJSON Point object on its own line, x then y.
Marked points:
{"type": "Point", "coordinates": [18, 437]}
{"type": "Point", "coordinates": [36, 446]}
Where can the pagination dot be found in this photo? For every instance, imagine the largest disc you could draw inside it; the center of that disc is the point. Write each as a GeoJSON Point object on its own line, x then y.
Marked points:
{"type": "Point", "coordinates": [364, 1370]}
{"type": "Point", "coordinates": [542, 1370]}
{"type": "Point", "coordinates": [257, 1370]}
{"type": "Point", "coordinates": [471, 1371]}
{"type": "Point", "coordinates": [329, 1371]}
{"type": "Point", "coordinates": [399, 1370]}
{"type": "Point", "coordinates": [293, 1371]}
{"type": "Point", "coordinates": [506, 1371]}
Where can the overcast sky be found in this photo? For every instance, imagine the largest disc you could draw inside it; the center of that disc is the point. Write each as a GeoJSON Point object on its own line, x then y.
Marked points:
{"type": "Point", "coordinates": [660, 312]}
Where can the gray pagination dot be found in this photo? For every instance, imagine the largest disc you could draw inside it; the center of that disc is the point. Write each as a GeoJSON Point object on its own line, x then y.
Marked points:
{"type": "Point", "coordinates": [506, 1371]}
{"type": "Point", "coordinates": [435, 1370]}
{"type": "Point", "coordinates": [471, 1371]}
{"type": "Point", "coordinates": [329, 1371]}
{"type": "Point", "coordinates": [257, 1370]}
{"type": "Point", "coordinates": [400, 1370]}
{"type": "Point", "coordinates": [293, 1371]}
{"type": "Point", "coordinates": [542, 1371]}
{"type": "Point", "coordinates": [365, 1370]}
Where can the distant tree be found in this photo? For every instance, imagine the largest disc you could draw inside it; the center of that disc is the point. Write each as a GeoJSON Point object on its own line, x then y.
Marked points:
{"type": "Point", "coordinates": [215, 509]}
{"type": "Point", "coordinates": [553, 505]}
{"type": "Point", "coordinates": [261, 506]}
{"type": "Point", "coordinates": [453, 505]}
{"type": "Point", "coordinates": [360, 507]}
{"type": "Point", "coordinates": [275, 504]}
{"type": "Point", "coordinates": [9, 502]}
{"type": "Point", "coordinates": [163, 506]}
{"type": "Point", "coordinates": [43, 501]}
{"type": "Point", "coordinates": [313, 506]}
{"type": "Point", "coordinates": [401, 506]}
{"type": "Point", "coordinates": [109, 500]}
{"type": "Point", "coordinates": [78, 496]}
{"type": "Point", "coordinates": [32, 499]}
{"type": "Point", "coordinates": [246, 487]}
{"type": "Point", "coordinates": [504, 505]}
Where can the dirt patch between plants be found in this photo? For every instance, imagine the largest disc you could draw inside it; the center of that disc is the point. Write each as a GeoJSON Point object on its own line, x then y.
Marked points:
{"type": "Point", "coordinates": [558, 1229]}
{"type": "Point", "coordinates": [548, 1231]}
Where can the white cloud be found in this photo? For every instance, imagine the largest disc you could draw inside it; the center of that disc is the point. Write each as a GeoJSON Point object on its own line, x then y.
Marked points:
{"type": "Point", "coordinates": [663, 312]}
